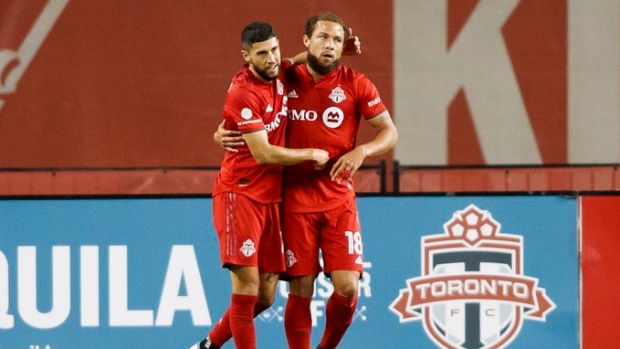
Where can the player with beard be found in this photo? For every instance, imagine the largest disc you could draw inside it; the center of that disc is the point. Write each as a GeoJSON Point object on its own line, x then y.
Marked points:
{"type": "Point", "coordinates": [248, 187]}
{"type": "Point", "coordinates": [326, 104]}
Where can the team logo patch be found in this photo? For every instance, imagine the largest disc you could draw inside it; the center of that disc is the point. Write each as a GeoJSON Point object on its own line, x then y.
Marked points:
{"type": "Point", "coordinates": [333, 117]}
{"type": "Point", "coordinates": [337, 95]}
{"type": "Point", "coordinates": [290, 258]}
{"type": "Point", "coordinates": [280, 87]}
{"type": "Point", "coordinates": [248, 248]}
{"type": "Point", "coordinates": [472, 293]}
{"type": "Point", "coordinates": [246, 113]}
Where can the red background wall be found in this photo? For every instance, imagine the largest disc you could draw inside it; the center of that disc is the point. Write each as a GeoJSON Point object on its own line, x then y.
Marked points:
{"type": "Point", "coordinates": [141, 83]}
{"type": "Point", "coordinates": [600, 266]}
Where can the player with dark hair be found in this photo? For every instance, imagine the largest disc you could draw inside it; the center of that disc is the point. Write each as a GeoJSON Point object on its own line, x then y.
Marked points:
{"type": "Point", "coordinates": [326, 104]}
{"type": "Point", "coordinates": [332, 196]}
{"type": "Point", "coordinates": [248, 188]}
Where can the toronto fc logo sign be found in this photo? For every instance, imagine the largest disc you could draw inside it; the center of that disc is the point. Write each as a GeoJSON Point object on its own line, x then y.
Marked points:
{"type": "Point", "coordinates": [472, 293]}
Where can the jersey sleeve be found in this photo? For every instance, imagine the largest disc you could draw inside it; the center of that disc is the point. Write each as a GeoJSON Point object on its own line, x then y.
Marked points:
{"type": "Point", "coordinates": [369, 101]}
{"type": "Point", "coordinates": [243, 110]}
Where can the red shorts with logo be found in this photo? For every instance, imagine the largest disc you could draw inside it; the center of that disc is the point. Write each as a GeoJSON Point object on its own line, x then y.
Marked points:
{"type": "Point", "coordinates": [336, 233]}
{"type": "Point", "coordinates": [249, 232]}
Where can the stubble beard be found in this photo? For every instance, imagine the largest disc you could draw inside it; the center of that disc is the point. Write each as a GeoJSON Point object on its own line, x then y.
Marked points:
{"type": "Point", "coordinates": [266, 76]}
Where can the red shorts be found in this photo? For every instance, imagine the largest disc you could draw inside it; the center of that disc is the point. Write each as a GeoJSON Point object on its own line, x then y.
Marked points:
{"type": "Point", "coordinates": [335, 232]}
{"type": "Point", "coordinates": [249, 232]}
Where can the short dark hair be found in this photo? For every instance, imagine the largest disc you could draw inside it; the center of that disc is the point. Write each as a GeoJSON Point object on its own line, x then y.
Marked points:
{"type": "Point", "coordinates": [256, 32]}
{"type": "Point", "coordinates": [325, 16]}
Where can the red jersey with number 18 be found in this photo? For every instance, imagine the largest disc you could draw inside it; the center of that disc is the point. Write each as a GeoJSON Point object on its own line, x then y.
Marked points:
{"type": "Point", "coordinates": [324, 115]}
{"type": "Point", "coordinates": [252, 105]}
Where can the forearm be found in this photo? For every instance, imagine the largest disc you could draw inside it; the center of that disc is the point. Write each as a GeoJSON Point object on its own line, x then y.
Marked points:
{"type": "Point", "coordinates": [383, 142]}
{"type": "Point", "coordinates": [299, 58]}
{"type": "Point", "coordinates": [275, 155]}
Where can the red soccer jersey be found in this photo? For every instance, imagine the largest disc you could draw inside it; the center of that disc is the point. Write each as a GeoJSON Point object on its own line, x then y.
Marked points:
{"type": "Point", "coordinates": [252, 105]}
{"type": "Point", "coordinates": [324, 115]}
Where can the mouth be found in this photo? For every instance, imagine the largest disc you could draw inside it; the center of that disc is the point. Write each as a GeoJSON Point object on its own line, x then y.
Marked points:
{"type": "Point", "coordinates": [273, 69]}
{"type": "Point", "coordinates": [328, 56]}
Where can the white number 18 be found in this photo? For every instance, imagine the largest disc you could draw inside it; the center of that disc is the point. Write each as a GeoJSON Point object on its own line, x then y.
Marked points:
{"type": "Point", "coordinates": [355, 241]}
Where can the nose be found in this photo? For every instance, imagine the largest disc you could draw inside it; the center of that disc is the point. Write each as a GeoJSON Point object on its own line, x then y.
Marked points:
{"type": "Point", "coordinates": [271, 57]}
{"type": "Point", "coordinates": [330, 44]}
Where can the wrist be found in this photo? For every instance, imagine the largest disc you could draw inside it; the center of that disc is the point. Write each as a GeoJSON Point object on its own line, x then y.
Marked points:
{"type": "Point", "coordinates": [363, 149]}
{"type": "Point", "coordinates": [312, 154]}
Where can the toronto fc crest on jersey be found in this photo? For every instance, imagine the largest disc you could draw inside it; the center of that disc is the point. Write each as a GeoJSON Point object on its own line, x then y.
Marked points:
{"type": "Point", "coordinates": [472, 293]}
{"type": "Point", "coordinates": [337, 95]}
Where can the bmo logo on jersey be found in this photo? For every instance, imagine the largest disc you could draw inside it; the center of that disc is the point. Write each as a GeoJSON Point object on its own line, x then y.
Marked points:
{"type": "Point", "coordinates": [332, 117]}
{"type": "Point", "coordinates": [472, 293]}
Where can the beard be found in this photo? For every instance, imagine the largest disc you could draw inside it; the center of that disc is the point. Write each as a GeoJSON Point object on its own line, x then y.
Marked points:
{"type": "Point", "coordinates": [322, 68]}
{"type": "Point", "coordinates": [267, 76]}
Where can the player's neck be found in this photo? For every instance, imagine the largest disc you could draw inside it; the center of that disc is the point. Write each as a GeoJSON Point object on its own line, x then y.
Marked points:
{"type": "Point", "coordinates": [315, 75]}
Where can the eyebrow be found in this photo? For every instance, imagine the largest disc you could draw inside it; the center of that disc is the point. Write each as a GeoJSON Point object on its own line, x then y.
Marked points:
{"type": "Point", "coordinates": [318, 33]}
{"type": "Point", "coordinates": [267, 50]}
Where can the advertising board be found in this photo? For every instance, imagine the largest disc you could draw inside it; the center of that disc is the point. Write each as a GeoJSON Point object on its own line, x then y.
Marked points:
{"type": "Point", "coordinates": [440, 272]}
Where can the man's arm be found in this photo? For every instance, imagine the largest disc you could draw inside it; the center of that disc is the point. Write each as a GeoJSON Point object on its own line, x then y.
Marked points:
{"type": "Point", "coordinates": [300, 58]}
{"type": "Point", "coordinates": [229, 140]}
{"type": "Point", "coordinates": [384, 140]}
{"type": "Point", "coordinates": [265, 153]}
{"type": "Point", "coordinates": [268, 154]}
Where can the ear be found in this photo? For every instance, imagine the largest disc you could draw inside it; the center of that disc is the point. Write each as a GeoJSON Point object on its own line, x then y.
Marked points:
{"type": "Point", "coordinates": [306, 41]}
{"type": "Point", "coordinates": [246, 55]}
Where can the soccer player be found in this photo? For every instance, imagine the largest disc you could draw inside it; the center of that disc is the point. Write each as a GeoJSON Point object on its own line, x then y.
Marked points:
{"type": "Point", "coordinates": [326, 104]}
{"type": "Point", "coordinates": [247, 190]}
